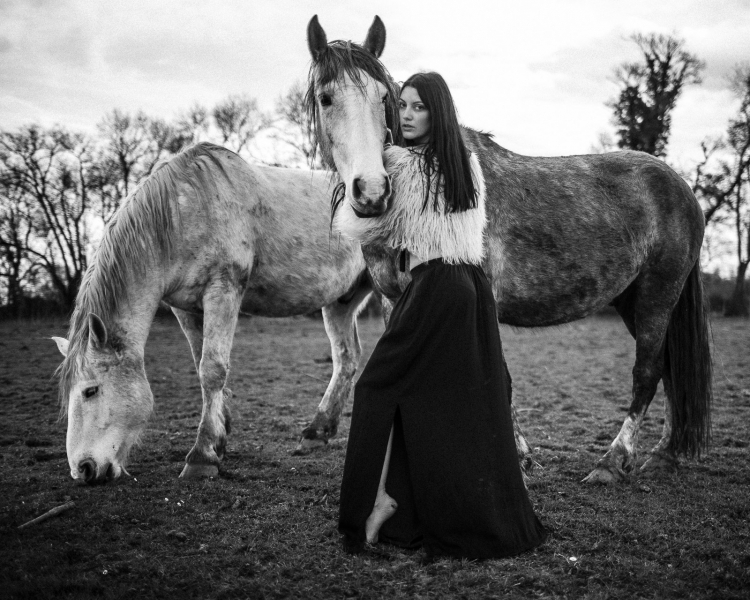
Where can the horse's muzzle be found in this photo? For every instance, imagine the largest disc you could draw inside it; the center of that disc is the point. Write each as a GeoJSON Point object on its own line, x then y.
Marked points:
{"type": "Point", "coordinates": [362, 215]}
{"type": "Point", "coordinates": [90, 474]}
{"type": "Point", "coordinates": [366, 206]}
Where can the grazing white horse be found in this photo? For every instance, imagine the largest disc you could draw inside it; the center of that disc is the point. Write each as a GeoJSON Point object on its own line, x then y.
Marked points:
{"type": "Point", "coordinates": [209, 235]}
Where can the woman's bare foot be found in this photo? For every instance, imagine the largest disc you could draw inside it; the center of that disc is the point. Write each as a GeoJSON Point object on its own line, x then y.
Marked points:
{"type": "Point", "coordinates": [385, 507]}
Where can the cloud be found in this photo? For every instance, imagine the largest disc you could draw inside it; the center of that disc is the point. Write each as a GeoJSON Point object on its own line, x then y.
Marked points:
{"type": "Point", "coordinates": [536, 73]}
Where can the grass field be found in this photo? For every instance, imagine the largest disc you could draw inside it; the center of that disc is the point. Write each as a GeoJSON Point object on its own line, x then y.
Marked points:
{"type": "Point", "coordinates": [266, 528]}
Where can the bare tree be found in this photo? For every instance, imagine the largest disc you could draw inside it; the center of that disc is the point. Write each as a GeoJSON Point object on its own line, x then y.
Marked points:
{"type": "Point", "coordinates": [194, 123]}
{"type": "Point", "coordinates": [16, 265]}
{"type": "Point", "coordinates": [167, 139]}
{"type": "Point", "coordinates": [133, 145]}
{"type": "Point", "coordinates": [127, 143]}
{"type": "Point", "coordinates": [292, 124]}
{"type": "Point", "coordinates": [48, 171]}
{"type": "Point", "coordinates": [721, 181]}
{"type": "Point", "coordinates": [737, 305]}
{"type": "Point", "coordinates": [239, 120]}
{"type": "Point", "coordinates": [738, 137]}
{"type": "Point", "coordinates": [604, 143]}
{"type": "Point", "coordinates": [714, 179]}
{"type": "Point", "coordinates": [649, 91]}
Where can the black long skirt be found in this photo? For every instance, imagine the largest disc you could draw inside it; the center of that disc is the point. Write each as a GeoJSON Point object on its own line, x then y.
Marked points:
{"type": "Point", "coordinates": [438, 376]}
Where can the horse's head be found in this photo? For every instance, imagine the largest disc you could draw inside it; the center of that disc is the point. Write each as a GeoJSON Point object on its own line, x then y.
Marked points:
{"type": "Point", "coordinates": [108, 398]}
{"type": "Point", "coordinates": [351, 103]}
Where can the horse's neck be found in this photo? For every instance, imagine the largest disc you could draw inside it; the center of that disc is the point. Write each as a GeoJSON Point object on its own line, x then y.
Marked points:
{"type": "Point", "coordinates": [134, 312]}
{"type": "Point", "coordinates": [136, 316]}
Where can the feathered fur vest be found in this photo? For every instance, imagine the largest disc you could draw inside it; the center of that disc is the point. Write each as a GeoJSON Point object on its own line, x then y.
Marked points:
{"type": "Point", "coordinates": [456, 236]}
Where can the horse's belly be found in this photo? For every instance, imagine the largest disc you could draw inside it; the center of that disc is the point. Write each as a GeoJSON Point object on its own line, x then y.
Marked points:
{"type": "Point", "coordinates": [535, 313]}
{"type": "Point", "coordinates": [283, 292]}
{"type": "Point", "coordinates": [269, 302]}
{"type": "Point", "coordinates": [525, 302]}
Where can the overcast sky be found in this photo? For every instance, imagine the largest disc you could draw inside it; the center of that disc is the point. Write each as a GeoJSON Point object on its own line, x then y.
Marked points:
{"type": "Point", "coordinates": [536, 73]}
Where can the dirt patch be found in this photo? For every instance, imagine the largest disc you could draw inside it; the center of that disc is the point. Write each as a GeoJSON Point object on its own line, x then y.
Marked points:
{"type": "Point", "coordinates": [266, 528]}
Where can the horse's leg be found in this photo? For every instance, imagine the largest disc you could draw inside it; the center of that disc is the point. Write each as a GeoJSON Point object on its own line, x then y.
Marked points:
{"type": "Point", "coordinates": [192, 327]}
{"type": "Point", "coordinates": [525, 460]}
{"type": "Point", "coordinates": [660, 455]}
{"type": "Point", "coordinates": [220, 308]}
{"type": "Point", "coordinates": [387, 306]}
{"type": "Point", "coordinates": [645, 307]}
{"type": "Point", "coordinates": [663, 458]}
{"type": "Point", "coordinates": [340, 319]}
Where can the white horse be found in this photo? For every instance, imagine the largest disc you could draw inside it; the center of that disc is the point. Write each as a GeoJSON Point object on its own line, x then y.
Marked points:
{"type": "Point", "coordinates": [209, 235]}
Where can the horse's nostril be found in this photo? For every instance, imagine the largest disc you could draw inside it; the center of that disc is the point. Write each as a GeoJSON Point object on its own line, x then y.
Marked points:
{"type": "Point", "coordinates": [357, 188]}
{"type": "Point", "coordinates": [110, 474]}
{"type": "Point", "coordinates": [87, 469]}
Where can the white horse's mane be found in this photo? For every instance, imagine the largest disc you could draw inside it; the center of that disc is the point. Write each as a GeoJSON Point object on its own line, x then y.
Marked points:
{"type": "Point", "coordinates": [140, 234]}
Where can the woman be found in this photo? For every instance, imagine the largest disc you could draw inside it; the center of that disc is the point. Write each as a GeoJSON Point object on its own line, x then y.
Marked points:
{"type": "Point", "coordinates": [431, 459]}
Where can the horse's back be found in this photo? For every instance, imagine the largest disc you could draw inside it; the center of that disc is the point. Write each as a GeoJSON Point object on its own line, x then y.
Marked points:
{"type": "Point", "coordinates": [566, 235]}
{"type": "Point", "coordinates": [298, 254]}
{"type": "Point", "coordinates": [269, 226]}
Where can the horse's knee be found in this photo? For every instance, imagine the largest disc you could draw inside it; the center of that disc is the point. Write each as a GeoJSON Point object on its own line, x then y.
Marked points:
{"type": "Point", "coordinates": [213, 374]}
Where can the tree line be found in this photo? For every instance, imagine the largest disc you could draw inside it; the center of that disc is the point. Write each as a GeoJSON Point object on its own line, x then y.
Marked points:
{"type": "Point", "coordinates": [642, 116]}
{"type": "Point", "coordinates": [58, 187]}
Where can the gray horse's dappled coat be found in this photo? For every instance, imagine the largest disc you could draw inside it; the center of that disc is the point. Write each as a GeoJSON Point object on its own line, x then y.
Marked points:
{"type": "Point", "coordinates": [408, 225]}
{"type": "Point", "coordinates": [565, 237]}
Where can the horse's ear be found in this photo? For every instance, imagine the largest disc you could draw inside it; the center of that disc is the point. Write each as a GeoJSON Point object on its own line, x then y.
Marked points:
{"type": "Point", "coordinates": [97, 332]}
{"type": "Point", "coordinates": [375, 41]}
{"type": "Point", "coordinates": [317, 41]}
{"type": "Point", "coordinates": [62, 345]}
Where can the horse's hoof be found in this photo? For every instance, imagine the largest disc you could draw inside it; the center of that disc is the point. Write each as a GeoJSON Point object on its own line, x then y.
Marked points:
{"type": "Point", "coordinates": [307, 446]}
{"type": "Point", "coordinates": [199, 471]}
{"type": "Point", "coordinates": [529, 465]}
{"type": "Point", "coordinates": [659, 463]}
{"type": "Point", "coordinates": [221, 446]}
{"type": "Point", "coordinates": [602, 476]}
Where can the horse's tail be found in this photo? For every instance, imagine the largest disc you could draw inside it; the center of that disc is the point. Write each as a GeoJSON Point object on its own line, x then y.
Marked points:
{"type": "Point", "coordinates": [687, 361]}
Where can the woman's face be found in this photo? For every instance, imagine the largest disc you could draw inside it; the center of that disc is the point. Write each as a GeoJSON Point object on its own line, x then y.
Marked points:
{"type": "Point", "coordinates": [414, 116]}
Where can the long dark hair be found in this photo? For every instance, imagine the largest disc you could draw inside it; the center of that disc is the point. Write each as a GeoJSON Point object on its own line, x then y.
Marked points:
{"type": "Point", "coordinates": [446, 159]}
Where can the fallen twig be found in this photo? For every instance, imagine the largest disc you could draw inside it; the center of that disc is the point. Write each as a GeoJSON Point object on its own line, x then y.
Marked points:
{"type": "Point", "coordinates": [53, 512]}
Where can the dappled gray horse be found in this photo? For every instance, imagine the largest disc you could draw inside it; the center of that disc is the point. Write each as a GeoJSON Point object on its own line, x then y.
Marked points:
{"type": "Point", "coordinates": [209, 235]}
{"type": "Point", "coordinates": [566, 237]}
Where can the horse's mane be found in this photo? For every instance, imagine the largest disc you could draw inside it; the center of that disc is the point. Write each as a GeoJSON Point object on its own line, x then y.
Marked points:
{"type": "Point", "coordinates": [141, 233]}
{"type": "Point", "coordinates": [339, 59]}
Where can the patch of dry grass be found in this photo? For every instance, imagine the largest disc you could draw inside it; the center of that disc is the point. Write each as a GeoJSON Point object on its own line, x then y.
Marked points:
{"type": "Point", "coordinates": [266, 528]}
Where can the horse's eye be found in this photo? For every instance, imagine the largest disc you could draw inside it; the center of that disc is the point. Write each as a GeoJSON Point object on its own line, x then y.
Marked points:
{"type": "Point", "coordinates": [90, 392]}
{"type": "Point", "coordinates": [384, 99]}
{"type": "Point", "coordinates": [325, 100]}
